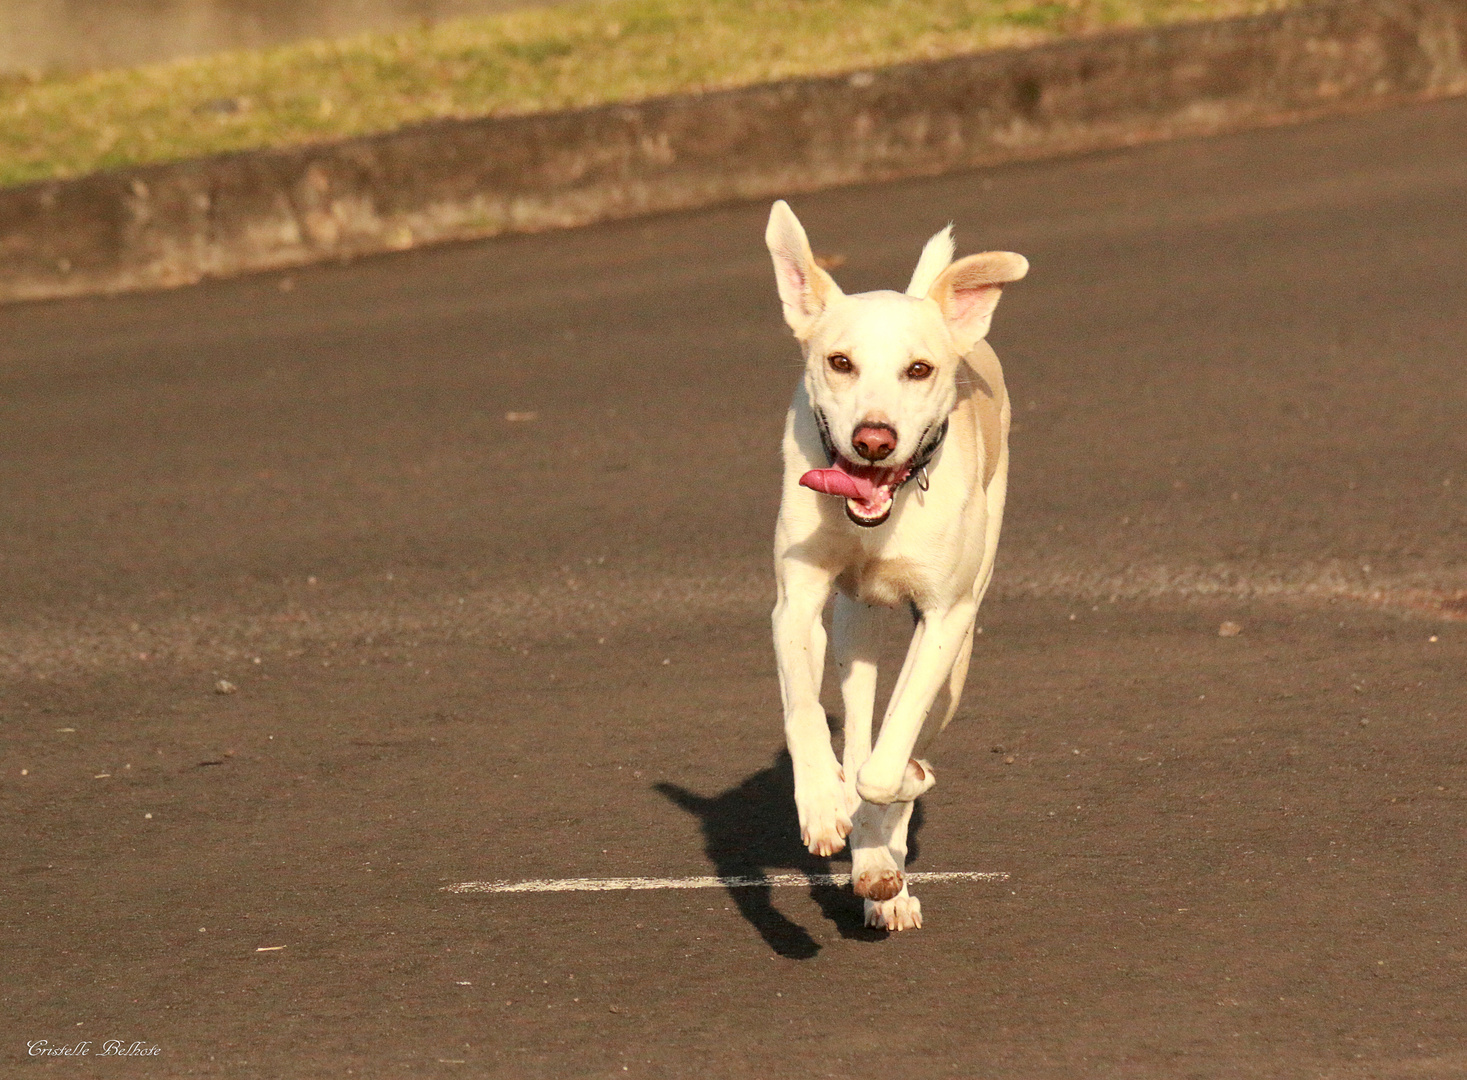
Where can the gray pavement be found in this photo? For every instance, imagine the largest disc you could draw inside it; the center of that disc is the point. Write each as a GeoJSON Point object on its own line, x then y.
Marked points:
{"type": "Point", "coordinates": [472, 648]}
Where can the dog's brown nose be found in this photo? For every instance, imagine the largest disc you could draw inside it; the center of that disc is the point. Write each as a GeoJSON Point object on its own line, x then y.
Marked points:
{"type": "Point", "coordinates": [874, 442]}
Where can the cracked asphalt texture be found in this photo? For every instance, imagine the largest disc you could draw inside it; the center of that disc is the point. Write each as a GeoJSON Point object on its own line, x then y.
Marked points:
{"type": "Point", "coordinates": [464, 647]}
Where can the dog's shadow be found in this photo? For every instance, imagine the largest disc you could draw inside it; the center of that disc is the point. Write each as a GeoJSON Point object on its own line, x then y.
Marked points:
{"type": "Point", "coordinates": [752, 829]}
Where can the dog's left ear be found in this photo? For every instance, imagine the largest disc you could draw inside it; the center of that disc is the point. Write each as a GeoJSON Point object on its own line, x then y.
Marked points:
{"type": "Point", "coordinates": [804, 288]}
{"type": "Point", "coordinates": [968, 290]}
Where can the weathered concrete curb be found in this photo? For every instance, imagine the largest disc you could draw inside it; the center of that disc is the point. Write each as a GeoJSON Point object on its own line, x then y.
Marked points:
{"type": "Point", "coordinates": [173, 224]}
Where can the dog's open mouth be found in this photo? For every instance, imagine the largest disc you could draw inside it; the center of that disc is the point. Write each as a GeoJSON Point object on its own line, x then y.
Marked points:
{"type": "Point", "coordinates": [868, 490]}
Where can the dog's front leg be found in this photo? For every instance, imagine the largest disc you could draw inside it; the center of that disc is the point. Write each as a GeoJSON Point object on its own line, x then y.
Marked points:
{"type": "Point", "coordinates": [889, 774]}
{"type": "Point", "coordinates": [799, 647]}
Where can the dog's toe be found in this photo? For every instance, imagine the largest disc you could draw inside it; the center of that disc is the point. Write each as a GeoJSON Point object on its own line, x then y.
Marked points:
{"type": "Point", "coordinates": [825, 847]}
{"type": "Point", "coordinates": [826, 842]}
{"type": "Point", "coordinates": [900, 913]}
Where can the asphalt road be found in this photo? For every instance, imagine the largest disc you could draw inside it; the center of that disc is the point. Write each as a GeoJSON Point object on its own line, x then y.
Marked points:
{"type": "Point", "coordinates": [466, 648]}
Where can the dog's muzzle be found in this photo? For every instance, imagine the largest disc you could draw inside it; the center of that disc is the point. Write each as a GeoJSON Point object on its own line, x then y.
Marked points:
{"type": "Point", "coordinates": [869, 490]}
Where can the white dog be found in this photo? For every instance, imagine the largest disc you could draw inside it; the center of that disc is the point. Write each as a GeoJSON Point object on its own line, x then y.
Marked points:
{"type": "Point", "coordinates": [903, 415]}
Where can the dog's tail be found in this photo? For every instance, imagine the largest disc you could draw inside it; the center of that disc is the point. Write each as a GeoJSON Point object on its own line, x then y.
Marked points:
{"type": "Point", "coordinates": [936, 257]}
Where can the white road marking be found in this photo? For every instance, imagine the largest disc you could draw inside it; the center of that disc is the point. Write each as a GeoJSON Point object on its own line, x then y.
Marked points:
{"type": "Point", "coordinates": [709, 882]}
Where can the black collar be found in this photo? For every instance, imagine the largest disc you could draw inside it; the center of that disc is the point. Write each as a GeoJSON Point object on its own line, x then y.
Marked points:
{"type": "Point", "coordinates": [926, 450]}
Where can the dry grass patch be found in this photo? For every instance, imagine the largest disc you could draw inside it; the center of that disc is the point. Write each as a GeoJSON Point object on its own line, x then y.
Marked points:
{"type": "Point", "coordinates": [523, 61]}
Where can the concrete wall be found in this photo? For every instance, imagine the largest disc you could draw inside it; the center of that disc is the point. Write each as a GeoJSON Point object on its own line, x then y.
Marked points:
{"type": "Point", "coordinates": [41, 35]}
{"type": "Point", "coordinates": [162, 225]}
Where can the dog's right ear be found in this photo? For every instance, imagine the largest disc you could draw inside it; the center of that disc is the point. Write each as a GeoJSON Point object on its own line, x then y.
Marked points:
{"type": "Point", "coordinates": [804, 288]}
{"type": "Point", "coordinates": [968, 290]}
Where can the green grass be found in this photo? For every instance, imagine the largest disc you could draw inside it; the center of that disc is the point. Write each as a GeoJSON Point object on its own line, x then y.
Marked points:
{"type": "Point", "coordinates": [521, 62]}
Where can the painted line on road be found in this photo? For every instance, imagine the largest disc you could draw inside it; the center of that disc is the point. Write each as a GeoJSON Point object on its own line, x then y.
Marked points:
{"type": "Point", "coordinates": [755, 881]}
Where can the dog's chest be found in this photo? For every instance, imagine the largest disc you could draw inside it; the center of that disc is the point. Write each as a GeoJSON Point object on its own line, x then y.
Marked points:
{"type": "Point", "coordinates": [884, 580]}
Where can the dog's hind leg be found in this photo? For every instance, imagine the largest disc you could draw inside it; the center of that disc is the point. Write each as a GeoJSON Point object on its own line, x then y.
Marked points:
{"type": "Point", "coordinates": [888, 904]}
{"type": "Point", "coordinates": [799, 647]}
{"type": "Point", "coordinates": [879, 838]}
{"type": "Point", "coordinates": [855, 647]}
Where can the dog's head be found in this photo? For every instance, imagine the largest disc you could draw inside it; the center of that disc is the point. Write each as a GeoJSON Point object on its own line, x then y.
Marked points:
{"type": "Point", "coordinates": [881, 368]}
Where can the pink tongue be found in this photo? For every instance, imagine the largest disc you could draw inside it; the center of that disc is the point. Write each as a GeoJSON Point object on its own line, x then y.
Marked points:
{"type": "Point", "coordinates": [838, 482]}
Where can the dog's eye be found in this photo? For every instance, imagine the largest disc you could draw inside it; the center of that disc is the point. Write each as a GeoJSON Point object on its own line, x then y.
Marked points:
{"type": "Point", "coordinates": [919, 369]}
{"type": "Point", "coordinates": [840, 362]}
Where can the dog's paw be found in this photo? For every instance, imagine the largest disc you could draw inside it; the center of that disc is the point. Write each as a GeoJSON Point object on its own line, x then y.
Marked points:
{"type": "Point", "coordinates": [916, 780]}
{"type": "Point", "coordinates": [820, 798]}
{"type": "Point", "coordinates": [875, 875]}
{"type": "Point", "coordinates": [901, 912]}
{"type": "Point", "coordinates": [877, 786]}
{"type": "Point", "coordinates": [878, 885]}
